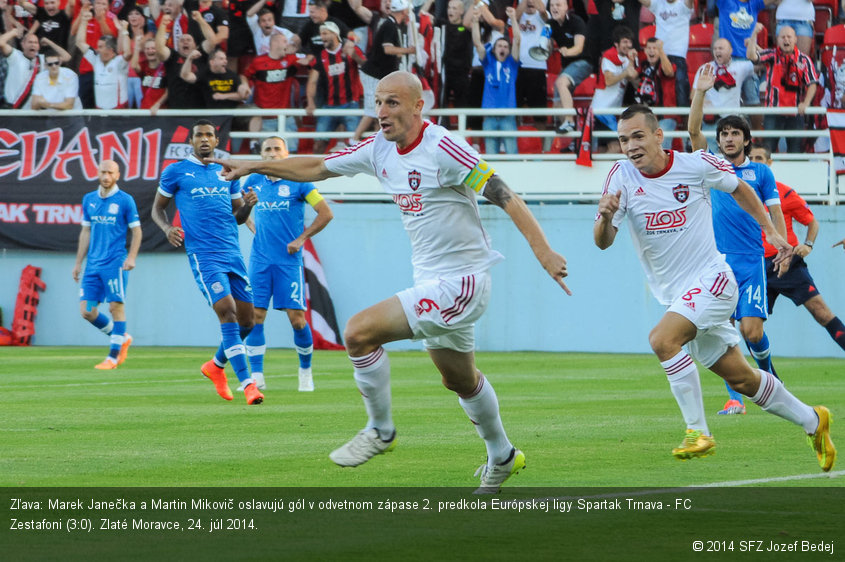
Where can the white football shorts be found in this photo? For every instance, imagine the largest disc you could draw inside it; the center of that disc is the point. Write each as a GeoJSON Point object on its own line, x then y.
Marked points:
{"type": "Point", "coordinates": [709, 304]}
{"type": "Point", "coordinates": [442, 313]}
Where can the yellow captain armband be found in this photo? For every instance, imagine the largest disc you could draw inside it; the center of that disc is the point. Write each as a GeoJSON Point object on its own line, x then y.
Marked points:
{"type": "Point", "coordinates": [478, 176]}
{"type": "Point", "coordinates": [313, 197]}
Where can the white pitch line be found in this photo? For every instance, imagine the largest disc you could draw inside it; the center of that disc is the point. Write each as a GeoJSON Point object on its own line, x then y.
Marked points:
{"type": "Point", "coordinates": [772, 479]}
{"type": "Point", "coordinates": [131, 381]}
{"type": "Point", "coordinates": [725, 484]}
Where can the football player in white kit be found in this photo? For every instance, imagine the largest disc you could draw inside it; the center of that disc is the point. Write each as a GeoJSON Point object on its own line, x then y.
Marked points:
{"type": "Point", "coordinates": [665, 196]}
{"type": "Point", "coordinates": [433, 178]}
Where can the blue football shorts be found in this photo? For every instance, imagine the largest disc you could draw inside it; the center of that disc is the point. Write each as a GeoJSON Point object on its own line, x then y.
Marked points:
{"type": "Point", "coordinates": [750, 273]}
{"type": "Point", "coordinates": [285, 284]}
{"type": "Point", "coordinates": [104, 284]}
{"type": "Point", "coordinates": [218, 276]}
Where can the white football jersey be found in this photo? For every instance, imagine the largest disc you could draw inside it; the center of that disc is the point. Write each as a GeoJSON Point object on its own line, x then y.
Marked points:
{"type": "Point", "coordinates": [670, 218]}
{"type": "Point", "coordinates": [426, 181]}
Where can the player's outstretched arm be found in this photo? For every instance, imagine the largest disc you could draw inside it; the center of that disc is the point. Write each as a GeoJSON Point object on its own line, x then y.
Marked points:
{"type": "Point", "coordinates": [604, 233]}
{"type": "Point", "coordinates": [497, 192]}
{"type": "Point", "coordinates": [295, 168]}
{"type": "Point", "coordinates": [840, 243]}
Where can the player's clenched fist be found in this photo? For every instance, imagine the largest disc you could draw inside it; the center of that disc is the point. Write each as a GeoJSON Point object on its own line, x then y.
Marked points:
{"type": "Point", "coordinates": [175, 235]}
{"type": "Point", "coordinates": [250, 197]}
{"type": "Point", "coordinates": [609, 204]}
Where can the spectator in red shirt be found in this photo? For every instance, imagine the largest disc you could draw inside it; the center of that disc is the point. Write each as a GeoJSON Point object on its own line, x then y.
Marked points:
{"type": "Point", "coordinates": [151, 70]}
{"type": "Point", "coordinates": [272, 76]}
{"type": "Point", "coordinates": [791, 81]}
{"type": "Point", "coordinates": [333, 82]}
{"type": "Point", "coordinates": [797, 284]}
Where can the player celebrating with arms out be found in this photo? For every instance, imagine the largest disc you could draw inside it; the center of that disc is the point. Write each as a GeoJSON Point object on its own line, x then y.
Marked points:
{"type": "Point", "coordinates": [275, 263]}
{"type": "Point", "coordinates": [433, 178]}
{"type": "Point", "coordinates": [107, 214]}
{"type": "Point", "coordinates": [665, 196]}
{"type": "Point", "coordinates": [211, 208]}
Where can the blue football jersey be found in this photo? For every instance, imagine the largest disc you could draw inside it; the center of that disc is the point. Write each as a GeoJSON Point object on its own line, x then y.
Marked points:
{"type": "Point", "coordinates": [204, 199]}
{"type": "Point", "coordinates": [736, 231]}
{"type": "Point", "coordinates": [279, 218]}
{"type": "Point", "coordinates": [109, 218]}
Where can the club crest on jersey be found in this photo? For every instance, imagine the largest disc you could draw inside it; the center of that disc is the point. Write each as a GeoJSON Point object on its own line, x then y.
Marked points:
{"type": "Point", "coordinates": [284, 190]}
{"type": "Point", "coordinates": [414, 179]}
{"type": "Point", "coordinates": [749, 175]}
{"type": "Point", "coordinates": [113, 208]}
{"type": "Point", "coordinates": [681, 193]}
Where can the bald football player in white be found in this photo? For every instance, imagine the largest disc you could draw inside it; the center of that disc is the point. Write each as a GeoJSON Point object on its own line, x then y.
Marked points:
{"type": "Point", "coordinates": [433, 178]}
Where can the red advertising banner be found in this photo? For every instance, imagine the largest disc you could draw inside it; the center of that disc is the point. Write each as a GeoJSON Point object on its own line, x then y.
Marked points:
{"type": "Point", "coordinates": [48, 163]}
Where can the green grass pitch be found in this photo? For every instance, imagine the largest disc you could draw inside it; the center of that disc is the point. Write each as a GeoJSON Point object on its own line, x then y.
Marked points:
{"type": "Point", "coordinates": [583, 420]}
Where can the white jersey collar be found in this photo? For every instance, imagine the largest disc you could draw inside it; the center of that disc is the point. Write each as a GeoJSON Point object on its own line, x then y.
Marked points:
{"type": "Point", "coordinates": [114, 189]}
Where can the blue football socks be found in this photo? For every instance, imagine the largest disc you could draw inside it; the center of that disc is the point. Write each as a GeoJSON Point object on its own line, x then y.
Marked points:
{"type": "Point", "coordinates": [304, 343]}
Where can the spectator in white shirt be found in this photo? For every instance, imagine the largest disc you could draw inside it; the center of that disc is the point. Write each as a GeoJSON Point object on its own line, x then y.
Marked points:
{"type": "Point", "coordinates": [262, 23]}
{"type": "Point", "coordinates": [618, 66]}
{"type": "Point", "coordinates": [24, 64]}
{"type": "Point", "coordinates": [57, 88]}
{"type": "Point", "coordinates": [730, 74]}
{"type": "Point", "coordinates": [111, 65]}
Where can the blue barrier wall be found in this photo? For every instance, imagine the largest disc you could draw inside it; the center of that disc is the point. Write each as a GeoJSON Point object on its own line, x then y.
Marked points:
{"type": "Point", "coordinates": [366, 256]}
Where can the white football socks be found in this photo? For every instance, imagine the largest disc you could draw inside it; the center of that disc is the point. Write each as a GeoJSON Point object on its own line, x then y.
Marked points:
{"type": "Point", "coordinates": [482, 407]}
{"type": "Point", "coordinates": [686, 386]}
{"type": "Point", "coordinates": [372, 375]}
{"type": "Point", "coordinates": [773, 397]}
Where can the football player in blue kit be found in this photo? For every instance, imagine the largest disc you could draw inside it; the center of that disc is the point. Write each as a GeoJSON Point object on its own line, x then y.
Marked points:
{"type": "Point", "coordinates": [738, 235]}
{"type": "Point", "coordinates": [211, 208]}
{"type": "Point", "coordinates": [107, 214]}
{"type": "Point", "coordinates": [275, 263]}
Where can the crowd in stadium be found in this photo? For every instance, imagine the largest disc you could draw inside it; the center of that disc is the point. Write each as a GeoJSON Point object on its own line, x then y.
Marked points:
{"type": "Point", "coordinates": [65, 54]}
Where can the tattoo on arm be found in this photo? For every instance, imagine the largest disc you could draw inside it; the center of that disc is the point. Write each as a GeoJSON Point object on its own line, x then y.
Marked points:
{"type": "Point", "coordinates": [497, 192]}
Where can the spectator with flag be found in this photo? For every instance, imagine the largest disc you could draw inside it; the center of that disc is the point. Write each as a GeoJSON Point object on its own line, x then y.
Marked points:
{"type": "Point", "coordinates": [275, 263]}
{"type": "Point", "coordinates": [730, 74]}
{"type": "Point", "coordinates": [791, 80]}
